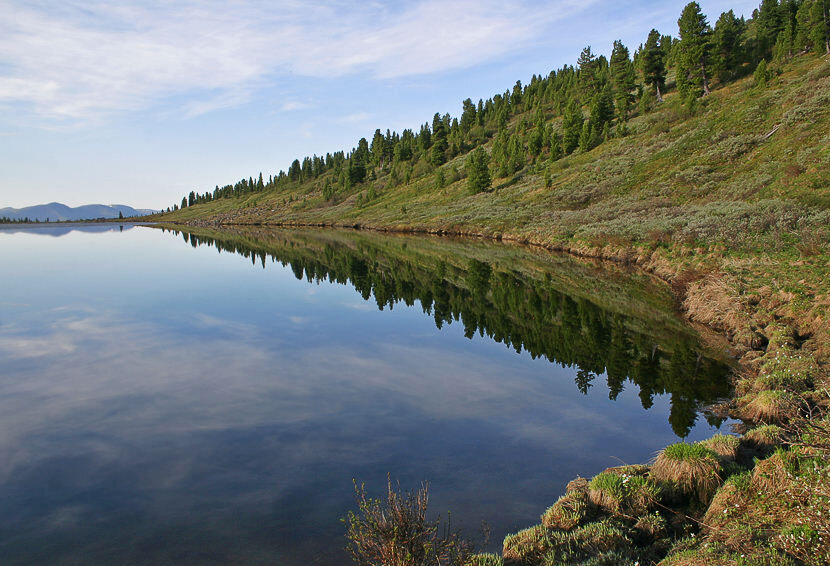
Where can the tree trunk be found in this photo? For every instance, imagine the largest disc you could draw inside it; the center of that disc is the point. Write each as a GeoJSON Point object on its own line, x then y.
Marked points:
{"type": "Point", "coordinates": [659, 96]}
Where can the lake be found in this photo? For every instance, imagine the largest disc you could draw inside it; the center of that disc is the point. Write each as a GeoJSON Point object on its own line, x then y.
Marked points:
{"type": "Point", "coordinates": [207, 397]}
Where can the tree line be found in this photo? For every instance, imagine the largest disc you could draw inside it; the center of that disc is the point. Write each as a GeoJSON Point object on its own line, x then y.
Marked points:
{"type": "Point", "coordinates": [572, 109]}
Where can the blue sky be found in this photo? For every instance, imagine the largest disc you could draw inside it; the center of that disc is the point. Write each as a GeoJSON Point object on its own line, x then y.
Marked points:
{"type": "Point", "coordinates": [138, 103]}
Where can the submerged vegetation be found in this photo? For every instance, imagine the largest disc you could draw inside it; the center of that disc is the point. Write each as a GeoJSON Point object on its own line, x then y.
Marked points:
{"type": "Point", "coordinates": [703, 159]}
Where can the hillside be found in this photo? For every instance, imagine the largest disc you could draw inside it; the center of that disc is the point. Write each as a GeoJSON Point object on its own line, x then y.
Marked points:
{"type": "Point", "coordinates": [57, 212]}
{"type": "Point", "coordinates": [726, 197]}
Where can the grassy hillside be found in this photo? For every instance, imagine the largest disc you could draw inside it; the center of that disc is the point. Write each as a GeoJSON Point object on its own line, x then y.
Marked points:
{"type": "Point", "coordinates": [729, 201]}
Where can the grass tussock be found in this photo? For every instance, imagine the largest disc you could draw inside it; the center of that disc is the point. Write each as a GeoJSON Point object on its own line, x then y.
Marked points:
{"type": "Point", "coordinates": [725, 446]}
{"type": "Point", "coordinates": [601, 541]}
{"type": "Point", "coordinates": [527, 547]}
{"type": "Point", "coordinates": [485, 559]}
{"type": "Point", "coordinates": [692, 469]}
{"type": "Point", "coordinates": [764, 438]}
{"type": "Point", "coordinates": [569, 511]}
{"type": "Point", "coordinates": [622, 493]}
{"type": "Point", "coordinates": [769, 406]}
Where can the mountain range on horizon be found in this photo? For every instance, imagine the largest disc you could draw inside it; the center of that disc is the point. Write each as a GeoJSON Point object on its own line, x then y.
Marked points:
{"type": "Point", "coordinates": [56, 211]}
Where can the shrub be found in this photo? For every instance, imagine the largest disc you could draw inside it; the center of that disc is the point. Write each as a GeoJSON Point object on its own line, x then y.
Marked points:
{"type": "Point", "coordinates": [692, 469]}
{"type": "Point", "coordinates": [396, 532]}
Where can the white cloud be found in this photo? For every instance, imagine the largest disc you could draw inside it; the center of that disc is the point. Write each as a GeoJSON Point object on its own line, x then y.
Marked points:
{"type": "Point", "coordinates": [293, 105]}
{"type": "Point", "coordinates": [356, 117]}
{"type": "Point", "coordinates": [84, 60]}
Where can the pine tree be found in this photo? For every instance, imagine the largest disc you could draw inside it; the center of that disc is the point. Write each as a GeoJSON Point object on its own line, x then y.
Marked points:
{"type": "Point", "coordinates": [468, 115]}
{"type": "Point", "coordinates": [820, 26]}
{"type": "Point", "coordinates": [589, 138]}
{"type": "Point", "coordinates": [802, 38]}
{"type": "Point", "coordinates": [478, 171]}
{"type": "Point", "coordinates": [726, 45]}
{"type": "Point", "coordinates": [602, 108]}
{"type": "Point", "coordinates": [654, 64]}
{"type": "Point", "coordinates": [572, 126]}
{"type": "Point", "coordinates": [438, 152]}
{"type": "Point", "coordinates": [769, 23]}
{"type": "Point", "coordinates": [693, 52]}
{"type": "Point", "coordinates": [622, 73]}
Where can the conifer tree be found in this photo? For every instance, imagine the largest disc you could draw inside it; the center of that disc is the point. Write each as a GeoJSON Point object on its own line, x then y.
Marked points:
{"type": "Point", "coordinates": [602, 108]}
{"type": "Point", "coordinates": [622, 73]}
{"type": "Point", "coordinates": [726, 40]}
{"type": "Point", "coordinates": [820, 26]}
{"type": "Point", "coordinates": [769, 23]}
{"type": "Point", "coordinates": [572, 126]}
{"type": "Point", "coordinates": [693, 52]}
{"type": "Point", "coordinates": [802, 39]}
{"type": "Point", "coordinates": [654, 64]}
{"type": "Point", "coordinates": [478, 171]}
{"type": "Point", "coordinates": [438, 151]}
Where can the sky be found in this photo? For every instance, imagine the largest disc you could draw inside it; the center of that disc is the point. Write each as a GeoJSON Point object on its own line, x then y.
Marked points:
{"type": "Point", "coordinates": [138, 103]}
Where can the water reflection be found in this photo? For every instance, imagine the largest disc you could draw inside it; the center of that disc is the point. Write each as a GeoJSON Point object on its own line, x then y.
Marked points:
{"type": "Point", "coordinates": [531, 302]}
{"type": "Point", "coordinates": [161, 403]}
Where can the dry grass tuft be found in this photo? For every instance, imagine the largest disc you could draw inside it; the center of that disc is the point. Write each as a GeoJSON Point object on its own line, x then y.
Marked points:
{"type": "Point", "coordinates": [653, 526]}
{"type": "Point", "coordinates": [730, 499]}
{"type": "Point", "coordinates": [621, 493]}
{"type": "Point", "coordinates": [692, 469]}
{"type": "Point", "coordinates": [485, 560]}
{"type": "Point", "coordinates": [527, 547]}
{"type": "Point", "coordinates": [723, 445]}
{"type": "Point", "coordinates": [770, 406]}
{"type": "Point", "coordinates": [714, 302]}
{"type": "Point", "coordinates": [765, 438]}
{"type": "Point", "coordinates": [774, 474]}
{"type": "Point", "coordinates": [568, 512]}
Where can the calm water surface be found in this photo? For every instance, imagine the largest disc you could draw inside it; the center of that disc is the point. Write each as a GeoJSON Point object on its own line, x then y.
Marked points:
{"type": "Point", "coordinates": [164, 403]}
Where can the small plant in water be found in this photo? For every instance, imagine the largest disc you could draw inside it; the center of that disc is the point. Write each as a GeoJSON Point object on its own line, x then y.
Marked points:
{"type": "Point", "coordinates": [395, 531]}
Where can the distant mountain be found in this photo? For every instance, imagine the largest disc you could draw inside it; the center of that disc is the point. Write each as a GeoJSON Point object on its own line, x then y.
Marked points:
{"type": "Point", "coordinates": [56, 211]}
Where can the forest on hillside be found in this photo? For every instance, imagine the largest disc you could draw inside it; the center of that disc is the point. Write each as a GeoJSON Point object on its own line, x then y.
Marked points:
{"type": "Point", "coordinates": [593, 101]}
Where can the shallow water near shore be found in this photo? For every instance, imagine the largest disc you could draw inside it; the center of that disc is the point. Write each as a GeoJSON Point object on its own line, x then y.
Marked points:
{"type": "Point", "coordinates": [206, 397]}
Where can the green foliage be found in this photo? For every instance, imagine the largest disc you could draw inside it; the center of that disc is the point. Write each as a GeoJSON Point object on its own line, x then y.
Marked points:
{"type": "Point", "coordinates": [654, 64]}
{"type": "Point", "coordinates": [693, 52]}
{"type": "Point", "coordinates": [762, 74]}
{"type": "Point", "coordinates": [478, 171]}
{"type": "Point", "coordinates": [726, 46]}
{"type": "Point", "coordinates": [572, 126]}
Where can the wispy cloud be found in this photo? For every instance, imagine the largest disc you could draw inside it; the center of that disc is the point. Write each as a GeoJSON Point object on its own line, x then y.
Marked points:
{"type": "Point", "coordinates": [83, 60]}
{"type": "Point", "coordinates": [294, 105]}
{"type": "Point", "coordinates": [356, 117]}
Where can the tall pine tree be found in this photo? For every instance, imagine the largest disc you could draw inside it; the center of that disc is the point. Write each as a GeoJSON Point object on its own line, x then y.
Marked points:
{"type": "Point", "coordinates": [654, 64]}
{"type": "Point", "coordinates": [622, 73]}
{"type": "Point", "coordinates": [693, 52]}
